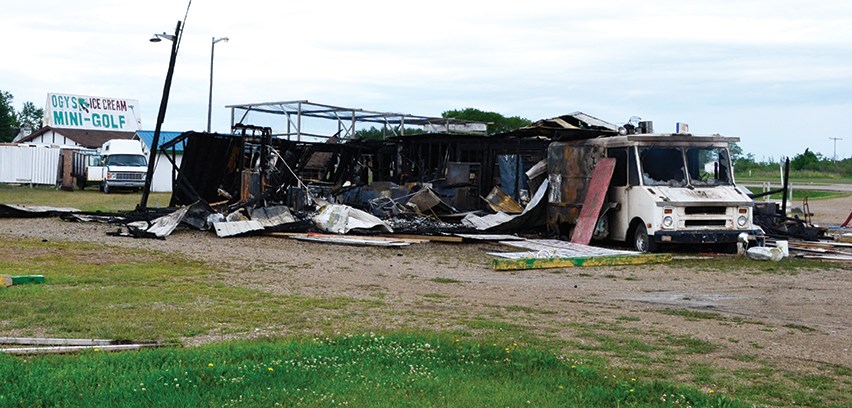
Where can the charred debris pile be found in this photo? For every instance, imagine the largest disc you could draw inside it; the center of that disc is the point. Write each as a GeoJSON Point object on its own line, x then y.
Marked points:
{"type": "Point", "coordinates": [445, 182]}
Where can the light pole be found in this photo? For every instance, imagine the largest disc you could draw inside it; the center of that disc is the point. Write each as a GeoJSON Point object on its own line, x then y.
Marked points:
{"type": "Point", "coordinates": [175, 39]}
{"type": "Point", "coordinates": [213, 42]}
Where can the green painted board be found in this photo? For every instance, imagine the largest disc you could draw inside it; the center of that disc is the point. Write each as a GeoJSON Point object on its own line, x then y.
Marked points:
{"type": "Point", "coordinates": [20, 280]}
{"type": "Point", "coordinates": [500, 264]}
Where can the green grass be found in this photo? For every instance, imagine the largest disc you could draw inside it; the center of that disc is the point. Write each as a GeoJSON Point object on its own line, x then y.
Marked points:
{"type": "Point", "coordinates": [95, 291]}
{"type": "Point", "coordinates": [445, 280]}
{"type": "Point", "coordinates": [361, 370]}
{"type": "Point", "coordinates": [775, 175]}
{"type": "Point", "coordinates": [86, 200]}
{"type": "Point", "coordinates": [738, 264]}
{"type": "Point", "coordinates": [799, 195]}
{"type": "Point", "coordinates": [98, 291]}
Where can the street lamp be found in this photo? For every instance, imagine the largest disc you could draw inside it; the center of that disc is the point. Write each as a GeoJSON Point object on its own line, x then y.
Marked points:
{"type": "Point", "coordinates": [175, 39]}
{"type": "Point", "coordinates": [214, 40]}
{"type": "Point", "coordinates": [161, 37]}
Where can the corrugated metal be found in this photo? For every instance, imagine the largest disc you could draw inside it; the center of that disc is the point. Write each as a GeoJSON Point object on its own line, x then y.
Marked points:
{"type": "Point", "coordinates": [29, 164]}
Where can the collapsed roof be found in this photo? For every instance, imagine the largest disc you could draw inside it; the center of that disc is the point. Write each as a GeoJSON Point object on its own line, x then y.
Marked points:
{"type": "Point", "coordinates": [577, 125]}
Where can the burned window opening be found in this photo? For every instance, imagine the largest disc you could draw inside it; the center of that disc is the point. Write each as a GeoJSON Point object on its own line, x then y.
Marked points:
{"type": "Point", "coordinates": [708, 166]}
{"type": "Point", "coordinates": [662, 166]}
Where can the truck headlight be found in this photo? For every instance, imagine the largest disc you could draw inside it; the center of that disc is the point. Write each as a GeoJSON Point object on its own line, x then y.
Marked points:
{"type": "Point", "coordinates": [668, 221]}
{"type": "Point", "coordinates": [742, 220]}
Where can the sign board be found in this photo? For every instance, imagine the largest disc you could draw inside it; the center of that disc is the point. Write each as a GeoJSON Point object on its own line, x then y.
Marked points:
{"type": "Point", "coordinates": [92, 113]}
{"type": "Point", "coordinates": [681, 128]}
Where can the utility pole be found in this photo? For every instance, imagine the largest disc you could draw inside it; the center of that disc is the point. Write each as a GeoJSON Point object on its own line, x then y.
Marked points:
{"type": "Point", "coordinates": [146, 190]}
{"type": "Point", "coordinates": [835, 146]}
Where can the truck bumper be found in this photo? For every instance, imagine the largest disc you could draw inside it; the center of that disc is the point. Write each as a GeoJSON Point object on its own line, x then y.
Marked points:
{"type": "Point", "coordinates": [126, 183]}
{"type": "Point", "coordinates": [705, 236]}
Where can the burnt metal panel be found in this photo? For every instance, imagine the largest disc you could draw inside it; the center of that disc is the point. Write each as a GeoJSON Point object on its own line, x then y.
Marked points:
{"type": "Point", "coordinates": [210, 162]}
{"type": "Point", "coordinates": [570, 168]}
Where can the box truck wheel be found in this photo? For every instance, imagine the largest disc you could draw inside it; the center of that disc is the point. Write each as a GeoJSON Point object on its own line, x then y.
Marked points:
{"type": "Point", "coordinates": [106, 188]}
{"type": "Point", "coordinates": [641, 241]}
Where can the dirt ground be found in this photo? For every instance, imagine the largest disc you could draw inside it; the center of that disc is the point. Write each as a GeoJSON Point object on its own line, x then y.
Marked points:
{"type": "Point", "coordinates": [791, 319]}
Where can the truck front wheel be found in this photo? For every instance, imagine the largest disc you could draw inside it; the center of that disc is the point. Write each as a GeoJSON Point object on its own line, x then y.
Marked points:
{"type": "Point", "coordinates": [106, 188]}
{"type": "Point", "coordinates": [641, 241]}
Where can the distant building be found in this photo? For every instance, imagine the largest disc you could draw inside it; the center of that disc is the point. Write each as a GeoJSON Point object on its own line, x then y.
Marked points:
{"type": "Point", "coordinates": [163, 171]}
{"type": "Point", "coordinates": [90, 139]}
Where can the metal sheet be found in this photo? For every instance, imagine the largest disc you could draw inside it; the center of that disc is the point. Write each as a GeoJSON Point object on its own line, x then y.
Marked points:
{"type": "Point", "coordinates": [340, 219]}
{"type": "Point", "coordinates": [160, 227]}
{"type": "Point", "coordinates": [272, 216]}
{"type": "Point", "coordinates": [30, 211]}
{"type": "Point", "coordinates": [350, 241]}
{"type": "Point", "coordinates": [230, 229]}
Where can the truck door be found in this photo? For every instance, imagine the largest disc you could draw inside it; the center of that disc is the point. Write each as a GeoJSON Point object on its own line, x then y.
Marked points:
{"type": "Point", "coordinates": [624, 178]}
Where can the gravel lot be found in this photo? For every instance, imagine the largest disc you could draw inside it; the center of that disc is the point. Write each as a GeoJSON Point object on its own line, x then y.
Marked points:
{"type": "Point", "coordinates": [799, 319]}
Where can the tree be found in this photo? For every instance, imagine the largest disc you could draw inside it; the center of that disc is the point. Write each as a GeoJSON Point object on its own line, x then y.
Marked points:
{"type": "Point", "coordinates": [374, 133]}
{"type": "Point", "coordinates": [736, 151]}
{"type": "Point", "coordinates": [8, 121]}
{"type": "Point", "coordinates": [498, 122]}
{"type": "Point", "coordinates": [806, 161]}
{"type": "Point", "coordinates": [31, 116]}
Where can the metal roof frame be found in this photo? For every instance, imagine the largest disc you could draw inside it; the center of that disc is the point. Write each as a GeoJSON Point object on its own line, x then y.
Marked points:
{"type": "Point", "coordinates": [393, 124]}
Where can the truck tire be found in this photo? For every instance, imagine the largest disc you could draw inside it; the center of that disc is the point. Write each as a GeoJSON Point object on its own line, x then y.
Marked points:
{"type": "Point", "coordinates": [641, 240]}
{"type": "Point", "coordinates": [106, 188]}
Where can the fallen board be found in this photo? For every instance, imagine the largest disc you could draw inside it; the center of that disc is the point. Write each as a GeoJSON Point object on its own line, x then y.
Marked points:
{"type": "Point", "coordinates": [48, 341]}
{"type": "Point", "coordinates": [73, 349]}
{"type": "Point", "coordinates": [6, 280]}
{"type": "Point", "coordinates": [552, 253]}
{"type": "Point", "coordinates": [384, 237]}
{"type": "Point", "coordinates": [432, 238]}
{"type": "Point", "coordinates": [349, 241]}
{"type": "Point", "coordinates": [607, 260]}
{"type": "Point", "coordinates": [490, 237]}
{"type": "Point", "coordinates": [592, 203]}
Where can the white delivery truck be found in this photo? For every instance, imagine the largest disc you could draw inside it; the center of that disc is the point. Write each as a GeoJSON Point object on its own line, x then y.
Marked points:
{"type": "Point", "coordinates": [665, 189]}
{"type": "Point", "coordinates": [124, 165]}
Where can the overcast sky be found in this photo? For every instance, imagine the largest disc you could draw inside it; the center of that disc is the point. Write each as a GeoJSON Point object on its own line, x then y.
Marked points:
{"type": "Point", "coordinates": [777, 74]}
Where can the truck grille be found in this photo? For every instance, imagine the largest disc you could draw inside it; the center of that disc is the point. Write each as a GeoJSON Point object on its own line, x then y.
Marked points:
{"type": "Point", "coordinates": [705, 223]}
{"type": "Point", "coordinates": [129, 176]}
{"type": "Point", "coordinates": [705, 210]}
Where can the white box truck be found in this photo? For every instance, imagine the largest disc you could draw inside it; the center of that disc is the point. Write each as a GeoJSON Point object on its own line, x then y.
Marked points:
{"type": "Point", "coordinates": [124, 165]}
{"type": "Point", "coordinates": [665, 189]}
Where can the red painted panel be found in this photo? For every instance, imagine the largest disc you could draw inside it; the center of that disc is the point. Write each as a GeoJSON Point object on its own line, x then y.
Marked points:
{"type": "Point", "coordinates": [592, 203]}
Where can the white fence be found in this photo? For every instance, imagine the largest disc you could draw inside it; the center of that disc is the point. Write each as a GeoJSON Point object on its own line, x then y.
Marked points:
{"type": "Point", "coordinates": [29, 164]}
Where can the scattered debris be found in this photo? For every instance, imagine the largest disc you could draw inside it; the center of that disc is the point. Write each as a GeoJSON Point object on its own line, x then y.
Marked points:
{"type": "Point", "coordinates": [532, 216]}
{"type": "Point", "coordinates": [499, 201]}
{"type": "Point", "coordinates": [765, 254]}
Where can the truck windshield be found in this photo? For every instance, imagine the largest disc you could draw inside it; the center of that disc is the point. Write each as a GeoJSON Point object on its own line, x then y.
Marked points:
{"type": "Point", "coordinates": [662, 166]}
{"type": "Point", "coordinates": [126, 160]}
{"type": "Point", "coordinates": [708, 166]}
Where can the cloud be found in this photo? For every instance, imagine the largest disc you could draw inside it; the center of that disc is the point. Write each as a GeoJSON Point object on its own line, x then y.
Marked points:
{"type": "Point", "coordinates": [739, 67]}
